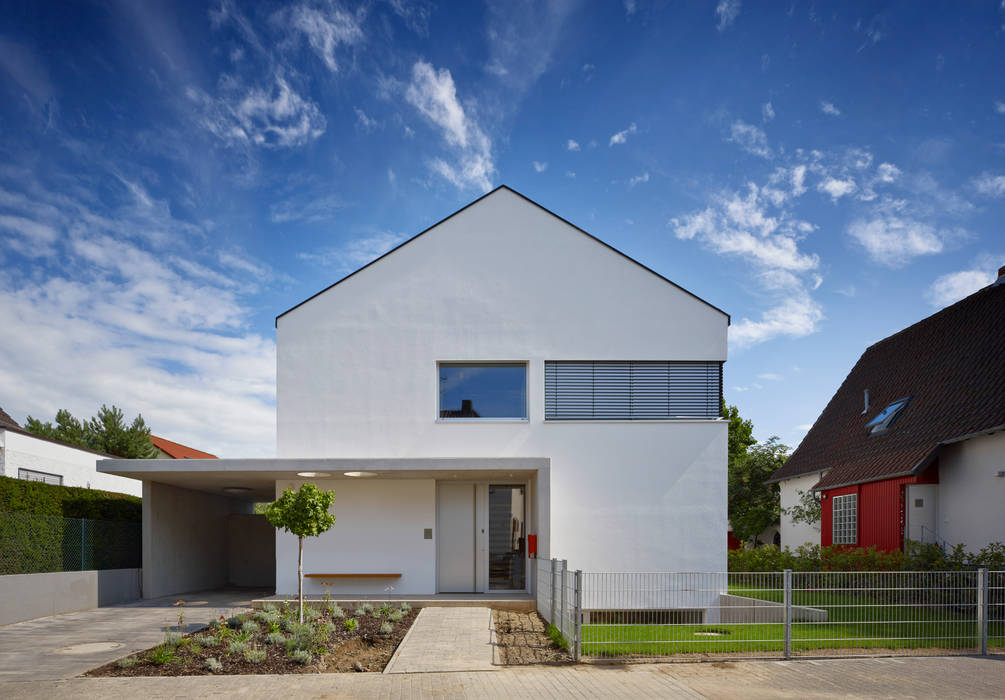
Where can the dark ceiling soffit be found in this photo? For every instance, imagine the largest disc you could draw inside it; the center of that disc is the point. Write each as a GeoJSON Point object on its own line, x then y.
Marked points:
{"type": "Point", "coordinates": [471, 204]}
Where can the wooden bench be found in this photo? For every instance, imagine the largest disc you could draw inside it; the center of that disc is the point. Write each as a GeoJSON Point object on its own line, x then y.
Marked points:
{"type": "Point", "coordinates": [352, 575]}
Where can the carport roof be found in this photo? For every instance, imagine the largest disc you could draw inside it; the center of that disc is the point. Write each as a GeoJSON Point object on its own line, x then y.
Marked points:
{"type": "Point", "coordinates": [259, 476]}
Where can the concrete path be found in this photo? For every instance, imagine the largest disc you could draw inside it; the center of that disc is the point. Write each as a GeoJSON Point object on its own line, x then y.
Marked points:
{"type": "Point", "coordinates": [64, 646]}
{"type": "Point", "coordinates": [446, 639]}
{"type": "Point", "coordinates": [946, 677]}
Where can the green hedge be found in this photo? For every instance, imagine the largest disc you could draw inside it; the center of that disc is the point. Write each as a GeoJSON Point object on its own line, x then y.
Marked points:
{"type": "Point", "coordinates": [31, 544]}
{"type": "Point", "coordinates": [918, 557]}
{"type": "Point", "coordinates": [20, 496]}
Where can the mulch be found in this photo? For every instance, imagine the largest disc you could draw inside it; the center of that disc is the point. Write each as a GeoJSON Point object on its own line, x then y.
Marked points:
{"type": "Point", "coordinates": [522, 639]}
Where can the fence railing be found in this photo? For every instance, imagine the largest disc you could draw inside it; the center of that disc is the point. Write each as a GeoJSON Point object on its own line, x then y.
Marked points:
{"type": "Point", "coordinates": [773, 614]}
{"type": "Point", "coordinates": [31, 544]}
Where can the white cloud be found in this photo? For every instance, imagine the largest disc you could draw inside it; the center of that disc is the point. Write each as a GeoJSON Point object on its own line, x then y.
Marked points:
{"type": "Point", "coordinates": [1000, 107]}
{"type": "Point", "coordinates": [622, 136]}
{"type": "Point", "coordinates": [887, 172]}
{"type": "Point", "coordinates": [364, 121]}
{"type": "Point", "coordinates": [750, 138]}
{"type": "Point", "coordinates": [836, 187]}
{"type": "Point", "coordinates": [30, 238]}
{"type": "Point", "coordinates": [306, 208]}
{"type": "Point", "coordinates": [829, 108]}
{"type": "Point", "coordinates": [767, 112]}
{"type": "Point", "coordinates": [770, 376]}
{"type": "Point", "coordinates": [325, 30]}
{"type": "Point", "coordinates": [521, 36]}
{"type": "Point", "coordinates": [893, 240]}
{"type": "Point", "coordinates": [356, 253]}
{"type": "Point", "coordinates": [954, 286]}
{"type": "Point", "coordinates": [803, 428]}
{"type": "Point", "coordinates": [434, 94]}
{"type": "Point", "coordinates": [637, 179]}
{"type": "Point", "coordinates": [990, 185]}
{"type": "Point", "coordinates": [570, 174]}
{"type": "Point", "coordinates": [727, 11]}
{"type": "Point", "coordinates": [539, 166]}
{"type": "Point", "coordinates": [795, 317]}
{"type": "Point", "coordinates": [630, 7]}
{"type": "Point", "coordinates": [572, 145]}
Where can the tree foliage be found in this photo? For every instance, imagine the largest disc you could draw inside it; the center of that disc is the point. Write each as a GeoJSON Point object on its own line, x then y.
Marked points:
{"type": "Point", "coordinates": [752, 504]}
{"type": "Point", "coordinates": [807, 510]}
{"type": "Point", "coordinates": [105, 432]}
{"type": "Point", "coordinates": [304, 513]}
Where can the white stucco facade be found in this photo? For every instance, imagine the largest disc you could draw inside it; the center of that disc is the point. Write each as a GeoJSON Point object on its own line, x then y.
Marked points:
{"type": "Point", "coordinates": [77, 467]}
{"type": "Point", "coordinates": [505, 280]}
{"type": "Point", "coordinates": [797, 534]}
{"type": "Point", "coordinates": [971, 492]}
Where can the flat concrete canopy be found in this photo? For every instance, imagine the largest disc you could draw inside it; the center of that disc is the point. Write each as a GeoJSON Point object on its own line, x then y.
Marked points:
{"type": "Point", "coordinates": [229, 477]}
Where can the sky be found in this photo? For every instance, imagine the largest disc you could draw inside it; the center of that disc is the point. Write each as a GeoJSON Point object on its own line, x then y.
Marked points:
{"type": "Point", "coordinates": [174, 175]}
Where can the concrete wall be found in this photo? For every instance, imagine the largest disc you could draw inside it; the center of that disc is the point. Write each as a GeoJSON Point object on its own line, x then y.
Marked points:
{"type": "Point", "coordinates": [797, 534]}
{"type": "Point", "coordinates": [251, 551]}
{"type": "Point", "coordinates": [28, 596]}
{"type": "Point", "coordinates": [76, 466]}
{"type": "Point", "coordinates": [735, 609]}
{"type": "Point", "coordinates": [970, 493]}
{"type": "Point", "coordinates": [184, 540]}
{"type": "Point", "coordinates": [504, 280]}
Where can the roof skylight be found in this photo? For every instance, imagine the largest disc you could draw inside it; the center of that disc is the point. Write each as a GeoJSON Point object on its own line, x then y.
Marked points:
{"type": "Point", "coordinates": [885, 417]}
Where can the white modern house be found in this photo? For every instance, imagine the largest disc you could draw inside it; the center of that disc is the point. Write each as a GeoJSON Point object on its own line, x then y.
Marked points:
{"type": "Point", "coordinates": [501, 387]}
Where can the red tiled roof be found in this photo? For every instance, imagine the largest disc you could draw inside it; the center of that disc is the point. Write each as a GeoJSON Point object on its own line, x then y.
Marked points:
{"type": "Point", "coordinates": [951, 364]}
{"type": "Point", "coordinates": [176, 451]}
{"type": "Point", "coordinates": [6, 420]}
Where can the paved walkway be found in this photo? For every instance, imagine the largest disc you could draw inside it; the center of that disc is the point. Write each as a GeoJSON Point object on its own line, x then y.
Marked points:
{"type": "Point", "coordinates": [953, 677]}
{"type": "Point", "coordinates": [446, 639]}
{"type": "Point", "coordinates": [63, 646]}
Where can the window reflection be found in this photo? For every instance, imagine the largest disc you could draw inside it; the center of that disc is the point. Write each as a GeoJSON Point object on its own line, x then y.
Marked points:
{"type": "Point", "coordinates": [507, 538]}
{"type": "Point", "coordinates": [483, 391]}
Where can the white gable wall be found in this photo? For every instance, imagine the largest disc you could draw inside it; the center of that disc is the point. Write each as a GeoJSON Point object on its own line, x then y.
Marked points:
{"type": "Point", "coordinates": [506, 281]}
{"type": "Point", "coordinates": [971, 493]}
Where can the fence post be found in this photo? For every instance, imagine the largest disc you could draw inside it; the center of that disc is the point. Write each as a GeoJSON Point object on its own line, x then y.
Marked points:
{"type": "Point", "coordinates": [982, 609]}
{"type": "Point", "coordinates": [787, 643]}
{"type": "Point", "coordinates": [83, 540]}
{"type": "Point", "coordinates": [578, 616]}
{"type": "Point", "coordinates": [551, 608]}
{"type": "Point", "coordinates": [561, 614]}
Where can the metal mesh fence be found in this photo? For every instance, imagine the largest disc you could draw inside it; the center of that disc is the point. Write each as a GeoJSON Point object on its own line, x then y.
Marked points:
{"type": "Point", "coordinates": [559, 600]}
{"type": "Point", "coordinates": [776, 614]}
{"type": "Point", "coordinates": [31, 544]}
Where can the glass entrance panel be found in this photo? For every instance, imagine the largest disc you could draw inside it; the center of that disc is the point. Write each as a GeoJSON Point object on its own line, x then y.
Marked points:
{"type": "Point", "coordinates": [507, 538]}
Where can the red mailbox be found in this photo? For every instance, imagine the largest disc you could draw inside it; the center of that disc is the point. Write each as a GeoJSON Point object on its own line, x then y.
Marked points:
{"type": "Point", "coordinates": [532, 546]}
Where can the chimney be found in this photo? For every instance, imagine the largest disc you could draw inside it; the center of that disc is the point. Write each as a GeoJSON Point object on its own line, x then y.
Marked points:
{"type": "Point", "coordinates": [1001, 275]}
{"type": "Point", "coordinates": [466, 409]}
{"type": "Point", "coordinates": [866, 400]}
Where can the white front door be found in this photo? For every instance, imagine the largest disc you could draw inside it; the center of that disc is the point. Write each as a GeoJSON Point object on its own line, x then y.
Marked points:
{"type": "Point", "coordinates": [455, 543]}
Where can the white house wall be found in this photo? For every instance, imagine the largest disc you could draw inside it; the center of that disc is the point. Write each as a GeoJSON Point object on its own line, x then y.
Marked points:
{"type": "Point", "coordinates": [797, 534]}
{"type": "Point", "coordinates": [506, 281]}
{"type": "Point", "coordinates": [970, 492]}
{"type": "Point", "coordinates": [77, 467]}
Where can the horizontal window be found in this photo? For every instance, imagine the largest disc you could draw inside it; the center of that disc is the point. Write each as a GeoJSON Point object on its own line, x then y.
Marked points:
{"type": "Point", "coordinates": [32, 475]}
{"type": "Point", "coordinates": [486, 390]}
{"type": "Point", "coordinates": [632, 390]}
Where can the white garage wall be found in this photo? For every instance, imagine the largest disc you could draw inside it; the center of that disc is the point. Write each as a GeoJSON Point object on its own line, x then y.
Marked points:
{"type": "Point", "coordinates": [797, 534]}
{"type": "Point", "coordinates": [971, 495]}
{"type": "Point", "coordinates": [76, 466]}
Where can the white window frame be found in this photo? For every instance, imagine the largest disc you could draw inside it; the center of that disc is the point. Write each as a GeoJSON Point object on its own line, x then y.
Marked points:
{"type": "Point", "coordinates": [486, 363]}
{"type": "Point", "coordinates": [844, 519]}
{"type": "Point", "coordinates": [43, 477]}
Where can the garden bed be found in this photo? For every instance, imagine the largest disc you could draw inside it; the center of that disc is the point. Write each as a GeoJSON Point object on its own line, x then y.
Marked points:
{"type": "Point", "coordinates": [330, 640]}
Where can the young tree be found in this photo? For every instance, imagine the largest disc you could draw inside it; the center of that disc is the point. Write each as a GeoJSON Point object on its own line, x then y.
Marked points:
{"type": "Point", "coordinates": [807, 510]}
{"type": "Point", "coordinates": [105, 432]}
{"type": "Point", "coordinates": [753, 504]}
{"type": "Point", "coordinates": [303, 513]}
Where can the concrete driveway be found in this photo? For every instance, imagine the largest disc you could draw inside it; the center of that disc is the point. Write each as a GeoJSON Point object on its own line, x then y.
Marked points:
{"type": "Point", "coordinates": [64, 646]}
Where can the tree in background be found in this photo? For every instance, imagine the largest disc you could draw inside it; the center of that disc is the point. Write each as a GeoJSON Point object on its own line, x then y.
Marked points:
{"type": "Point", "coordinates": [303, 513]}
{"type": "Point", "coordinates": [106, 432]}
{"type": "Point", "coordinates": [807, 510]}
{"type": "Point", "coordinates": [752, 504]}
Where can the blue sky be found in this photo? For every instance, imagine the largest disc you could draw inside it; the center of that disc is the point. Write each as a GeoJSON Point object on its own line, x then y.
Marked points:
{"type": "Point", "coordinates": [174, 175]}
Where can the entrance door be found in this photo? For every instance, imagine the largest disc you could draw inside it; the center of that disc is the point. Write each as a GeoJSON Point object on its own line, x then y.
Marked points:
{"type": "Point", "coordinates": [507, 538]}
{"type": "Point", "coordinates": [455, 545]}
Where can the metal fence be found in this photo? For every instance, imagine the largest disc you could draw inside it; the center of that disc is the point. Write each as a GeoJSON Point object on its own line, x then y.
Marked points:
{"type": "Point", "coordinates": [781, 614]}
{"type": "Point", "coordinates": [31, 544]}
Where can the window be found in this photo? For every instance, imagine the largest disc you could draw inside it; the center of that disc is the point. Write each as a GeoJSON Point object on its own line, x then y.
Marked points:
{"type": "Point", "coordinates": [632, 390]}
{"type": "Point", "coordinates": [495, 390]}
{"type": "Point", "coordinates": [885, 417]}
{"type": "Point", "coordinates": [31, 475]}
{"type": "Point", "coordinates": [844, 519]}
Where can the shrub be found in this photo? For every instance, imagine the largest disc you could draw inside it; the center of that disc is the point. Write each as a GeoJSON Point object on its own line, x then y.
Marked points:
{"type": "Point", "coordinates": [213, 664]}
{"type": "Point", "coordinates": [301, 656]}
{"type": "Point", "coordinates": [367, 608]}
{"type": "Point", "coordinates": [405, 607]}
{"type": "Point", "coordinates": [350, 623]}
{"type": "Point", "coordinates": [172, 639]}
{"type": "Point", "coordinates": [236, 647]}
{"type": "Point", "coordinates": [385, 609]}
{"type": "Point", "coordinates": [194, 647]}
{"type": "Point", "coordinates": [916, 556]}
{"type": "Point", "coordinates": [276, 638]}
{"type": "Point", "coordinates": [207, 640]}
{"type": "Point", "coordinates": [386, 627]}
{"type": "Point", "coordinates": [300, 641]}
{"type": "Point", "coordinates": [557, 637]}
{"type": "Point", "coordinates": [270, 608]}
{"type": "Point", "coordinates": [20, 496]}
{"type": "Point", "coordinates": [251, 627]}
{"type": "Point", "coordinates": [396, 616]}
{"type": "Point", "coordinates": [328, 628]}
{"type": "Point", "coordinates": [162, 655]}
{"type": "Point", "coordinates": [129, 661]}
{"type": "Point", "coordinates": [234, 622]}
{"type": "Point", "coordinates": [243, 635]}
{"type": "Point", "coordinates": [336, 612]}
{"type": "Point", "coordinates": [254, 655]}
{"type": "Point", "coordinates": [359, 612]}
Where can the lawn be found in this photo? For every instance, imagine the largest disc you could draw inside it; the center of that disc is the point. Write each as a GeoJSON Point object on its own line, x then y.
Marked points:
{"type": "Point", "coordinates": [854, 622]}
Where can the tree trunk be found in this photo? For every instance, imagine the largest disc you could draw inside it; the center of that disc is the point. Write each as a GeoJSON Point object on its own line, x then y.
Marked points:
{"type": "Point", "coordinates": [300, 578]}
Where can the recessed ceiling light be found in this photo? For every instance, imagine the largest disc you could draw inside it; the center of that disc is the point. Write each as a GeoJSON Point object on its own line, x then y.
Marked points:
{"type": "Point", "coordinates": [312, 475]}
{"type": "Point", "coordinates": [236, 489]}
{"type": "Point", "coordinates": [361, 474]}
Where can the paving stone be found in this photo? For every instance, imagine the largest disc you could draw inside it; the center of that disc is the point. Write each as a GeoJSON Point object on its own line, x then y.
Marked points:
{"type": "Point", "coordinates": [446, 639]}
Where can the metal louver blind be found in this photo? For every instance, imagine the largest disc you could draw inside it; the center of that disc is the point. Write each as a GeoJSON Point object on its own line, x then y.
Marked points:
{"type": "Point", "coordinates": [631, 390]}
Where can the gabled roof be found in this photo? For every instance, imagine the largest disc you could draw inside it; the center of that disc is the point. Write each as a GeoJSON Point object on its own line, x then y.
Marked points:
{"type": "Point", "coordinates": [179, 451]}
{"type": "Point", "coordinates": [530, 201]}
{"type": "Point", "coordinates": [951, 365]}
{"type": "Point", "coordinates": [6, 421]}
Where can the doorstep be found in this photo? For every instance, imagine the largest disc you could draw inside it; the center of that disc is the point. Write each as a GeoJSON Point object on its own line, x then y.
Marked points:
{"type": "Point", "coordinates": [515, 602]}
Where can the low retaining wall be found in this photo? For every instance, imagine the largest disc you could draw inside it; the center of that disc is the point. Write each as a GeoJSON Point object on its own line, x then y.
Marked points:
{"type": "Point", "coordinates": [28, 596]}
{"type": "Point", "coordinates": [735, 609]}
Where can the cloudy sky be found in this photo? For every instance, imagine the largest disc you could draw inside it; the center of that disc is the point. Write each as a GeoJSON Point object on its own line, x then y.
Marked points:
{"type": "Point", "coordinates": [173, 176]}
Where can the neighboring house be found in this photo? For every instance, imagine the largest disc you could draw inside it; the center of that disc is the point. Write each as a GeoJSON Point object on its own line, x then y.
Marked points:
{"type": "Point", "coordinates": [912, 445]}
{"type": "Point", "coordinates": [502, 386]}
{"type": "Point", "coordinates": [24, 455]}
{"type": "Point", "coordinates": [173, 450]}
